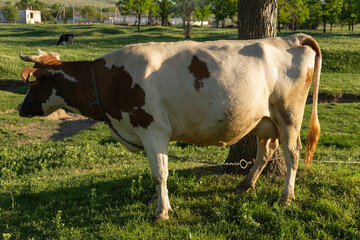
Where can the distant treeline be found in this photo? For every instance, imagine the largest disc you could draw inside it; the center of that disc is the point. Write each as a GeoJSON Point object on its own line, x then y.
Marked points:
{"type": "Point", "coordinates": [292, 14]}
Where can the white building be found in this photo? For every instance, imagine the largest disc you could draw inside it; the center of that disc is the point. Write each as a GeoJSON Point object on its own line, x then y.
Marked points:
{"type": "Point", "coordinates": [27, 16]}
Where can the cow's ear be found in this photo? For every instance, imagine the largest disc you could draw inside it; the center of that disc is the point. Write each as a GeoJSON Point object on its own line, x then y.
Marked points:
{"type": "Point", "coordinates": [32, 75]}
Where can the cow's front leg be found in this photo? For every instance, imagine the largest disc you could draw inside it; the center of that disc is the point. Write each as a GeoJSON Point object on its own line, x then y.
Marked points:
{"type": "Point", "coordinates": [157, 150]}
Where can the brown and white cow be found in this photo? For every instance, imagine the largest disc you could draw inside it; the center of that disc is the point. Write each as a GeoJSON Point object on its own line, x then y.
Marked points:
{"type": "Point", "coordinates": [207, 93]}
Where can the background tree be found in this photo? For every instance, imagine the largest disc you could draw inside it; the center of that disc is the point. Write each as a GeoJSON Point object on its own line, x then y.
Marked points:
{"type": "Point", "coordinates": [90, 12]}
{"type": "Point", "coordinates": [23, 4]}
{"type": "Point", "coordinates": [284, 13]}
{"type": "Point", "coordinates": [329, 9]}
{"type": "Point", "coordinates": [223, 9]}
{"type": "Point", "coordinates": [153, 10]}
{"type": "Point", "coordinates": [186, 9]}
{"type": "Point", "coordinates": [314, 7]}
{"type": "Point", "coordinates": [350, 13]}
{"type": "Point", "coordinates": [334, 14]}
{"type": "Point", "coordinates": [134, 7]}
{"type": "Point", "coordinates": [164, 11]}
{"type": "Point", "coordinates": [256, 20]}
{"type": "Point", "coordinates": [202, 11]}
{"type": "Point", "coordinates": [299, 13]}
{"type": "Point", "coordinates": [10, 13]}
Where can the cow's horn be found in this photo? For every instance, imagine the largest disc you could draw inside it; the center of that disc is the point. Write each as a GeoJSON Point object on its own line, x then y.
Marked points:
{"type": "Point", "coordinates": [33, 58]}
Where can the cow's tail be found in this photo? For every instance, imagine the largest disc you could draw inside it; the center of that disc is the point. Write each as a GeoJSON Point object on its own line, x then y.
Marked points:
{"type": "Point", "coordinates": [314, 128]}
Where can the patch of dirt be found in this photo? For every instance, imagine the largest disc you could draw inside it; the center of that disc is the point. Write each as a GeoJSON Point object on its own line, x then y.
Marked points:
{"type": "Point", "coordinates": [70, 125]}
{"type": "Point", "coordinates": [335, 98]}
{"type": "Point", "coordinates": [9, 111]}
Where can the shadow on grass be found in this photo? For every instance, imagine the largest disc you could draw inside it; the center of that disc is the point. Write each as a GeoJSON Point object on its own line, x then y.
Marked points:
{"type": "Point", "coordinates": [14, 86]}
{"type": "Point", "coordinates": [71, 128]}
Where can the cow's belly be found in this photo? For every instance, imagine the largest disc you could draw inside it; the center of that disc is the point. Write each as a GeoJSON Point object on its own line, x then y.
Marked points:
{"type": "Point", "coordinates": [216, 136]}
{"type": "Point", "coordinates": [219, 127]}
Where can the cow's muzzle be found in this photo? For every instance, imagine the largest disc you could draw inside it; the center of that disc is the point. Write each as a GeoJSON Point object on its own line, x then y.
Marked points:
{"type": "Point", "coordinates": [22, 113]}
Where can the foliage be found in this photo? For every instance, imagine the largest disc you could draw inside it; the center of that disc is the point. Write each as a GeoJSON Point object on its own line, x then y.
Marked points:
{"type": "Point", "coordinates": [314, 13]}
{"type": "Point", "coordinates": [164, 11]}
{"type": "Point", "coordinates": [202, 11]}
{"type": "Point", "coordinates": [294, 11]}
{"type": "Point", "coordinates": [186, 9]}
{"type": "Point", "coordinates": [223, 9]}
{"type": "Point", "coordinates": [330, 11]}
{"type": "Point", "coordinates": [284, 11]}
{"type": "Point", "coordinates": [134, 7]}
{"type": "Point", "coordinates": [23, 4]}
{"type": "Point", "coordinates": [153, 9]}
{"type": "Point", "coordinates": [10, 13]}
{"type": "Point", "coordinates": [89, 12]}
{"type": "Point", "coordinates": [350, 13]}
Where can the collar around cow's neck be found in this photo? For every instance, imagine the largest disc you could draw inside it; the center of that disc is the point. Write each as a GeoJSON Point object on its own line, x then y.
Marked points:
{"type": "Point", "coordinates": [106, 119]}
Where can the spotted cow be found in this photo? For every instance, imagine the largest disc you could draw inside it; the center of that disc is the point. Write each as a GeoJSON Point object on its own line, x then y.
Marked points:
{"type": "Point", "coordinates": [206, 93]}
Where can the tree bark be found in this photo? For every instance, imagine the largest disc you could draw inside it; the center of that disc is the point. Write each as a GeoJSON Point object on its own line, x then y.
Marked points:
{"type": "Point", "coordinates": [256, 20]}
{"type": "Point", "coordinates": [139, 25]}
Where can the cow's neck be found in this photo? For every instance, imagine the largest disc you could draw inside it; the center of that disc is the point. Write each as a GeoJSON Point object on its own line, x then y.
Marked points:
{"type": "Point", "coordinates": [75, 85]}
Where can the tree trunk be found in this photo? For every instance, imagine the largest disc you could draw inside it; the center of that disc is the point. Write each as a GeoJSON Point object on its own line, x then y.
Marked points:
{"type": "Point", "coordinates": [150, 18]}
{"type": "Point", "coordinates": [256, 20]}
{"type": "Point", "coordinates": [139, 25]}
{"type": "Point", "coordinates": [324, 20]}
{"type": "Point", "coordinates": [188, 29]}
{"type": "Point", "coordinates": [279, 27]}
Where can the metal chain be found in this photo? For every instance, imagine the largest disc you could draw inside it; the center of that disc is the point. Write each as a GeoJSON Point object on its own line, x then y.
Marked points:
{"type": "Point", "coordinates": [243, 163]}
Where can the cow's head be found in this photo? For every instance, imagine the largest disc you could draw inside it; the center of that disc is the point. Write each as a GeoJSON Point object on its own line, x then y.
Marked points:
{"type": "Point", "coordinates": [40, 99]}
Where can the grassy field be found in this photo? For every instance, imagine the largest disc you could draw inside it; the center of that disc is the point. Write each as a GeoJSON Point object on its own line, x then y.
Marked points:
{"type": "Point", "coordinates": [87, 186]}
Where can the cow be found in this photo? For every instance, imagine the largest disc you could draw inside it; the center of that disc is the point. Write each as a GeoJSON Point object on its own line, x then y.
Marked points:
{"type": "Point", "coordinates": [64, 38]}
{"type": "Point", "coordinates": [205, 93]}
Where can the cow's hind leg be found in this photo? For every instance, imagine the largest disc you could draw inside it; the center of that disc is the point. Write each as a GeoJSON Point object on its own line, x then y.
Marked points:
{"type": "Point", "coordinates": [291, 146]}
{"type": "Point", "coordinates": [265, 149]}
{"type": "Point", "coordinates": [156, 147]}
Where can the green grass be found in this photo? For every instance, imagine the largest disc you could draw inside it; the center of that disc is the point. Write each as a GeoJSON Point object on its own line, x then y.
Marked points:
{"type": "Point", "coordinates": [89, 187]}
{"type": "Point", "coordinates": [9, 100]}
{"type": "Point", "coordinates": [97, 199]}
{"type": "Point", "coordinates": [340, 83]}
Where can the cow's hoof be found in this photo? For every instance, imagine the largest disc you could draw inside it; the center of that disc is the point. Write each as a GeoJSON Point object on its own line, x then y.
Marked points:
{"type": "Point", "coordinates": [243, 188]}
{"type": "Point", "coordinates": [286, 200]}
{"type": "Point", "coordinates": [160, 217]}
{"type": "Point", "coordinates": [162, 214]}
{"type": "Point", "coordinates": [239, 190]}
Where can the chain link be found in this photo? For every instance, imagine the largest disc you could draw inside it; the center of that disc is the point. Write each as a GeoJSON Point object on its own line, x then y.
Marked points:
{"type": "Point", "coordinates": [243, 163]}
